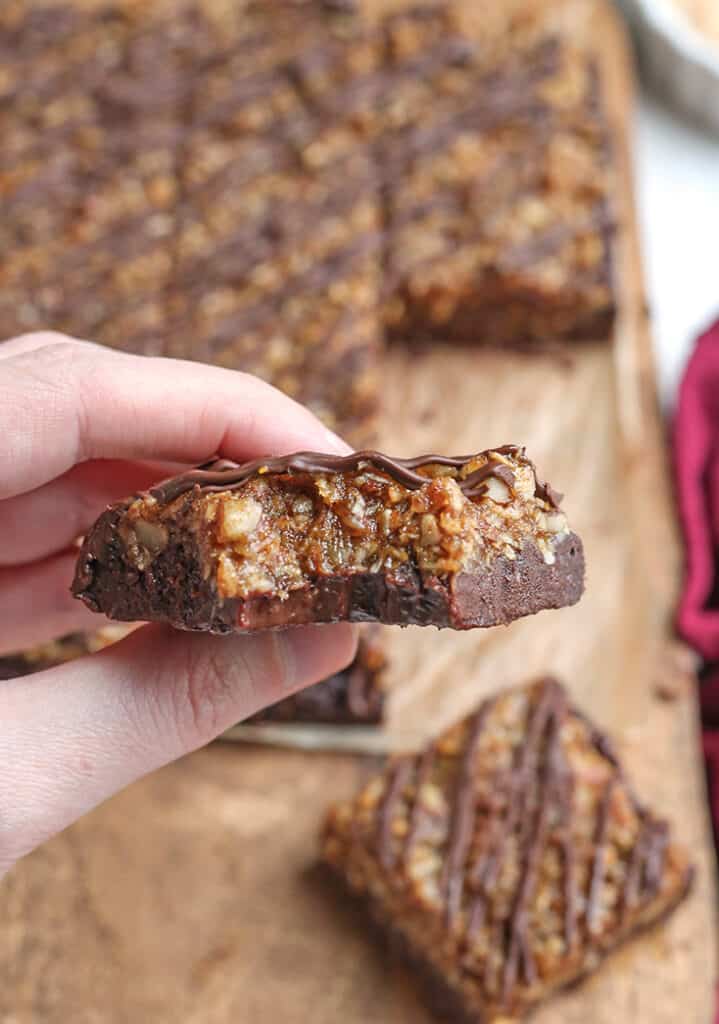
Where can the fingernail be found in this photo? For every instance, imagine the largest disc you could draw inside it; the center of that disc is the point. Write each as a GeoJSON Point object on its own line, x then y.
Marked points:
{"type": "Point", "coordinates": [312, 653]}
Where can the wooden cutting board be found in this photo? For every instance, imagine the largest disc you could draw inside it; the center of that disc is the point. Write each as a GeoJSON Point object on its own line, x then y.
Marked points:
{"type": "Point", "coordinates": [192, 897]}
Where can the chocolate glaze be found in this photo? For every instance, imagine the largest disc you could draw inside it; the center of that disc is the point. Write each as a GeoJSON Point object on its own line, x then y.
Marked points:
{"type": "Point", "coordinates": [224, 474]}
{"type": "Point", "coordinates": [596, 881]}
{"type": "Point", "coordinates": [537, 796]}
{"type": "Point", "coordinates": [424, 772]}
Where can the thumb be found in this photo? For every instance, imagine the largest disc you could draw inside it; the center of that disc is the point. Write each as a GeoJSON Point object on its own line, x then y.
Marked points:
{"type": "Point", "coordinates": [75, 734]}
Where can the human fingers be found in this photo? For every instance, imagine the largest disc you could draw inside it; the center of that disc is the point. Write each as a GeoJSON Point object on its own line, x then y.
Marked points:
{"type": "Point", "coordinates": [70, 401]}
{"type": "Point", "coordinates": [75, 734]}
{"type": "Point", "coordinates": [48, 519]}
{"type": "Point", "coordinates": [36, 604]}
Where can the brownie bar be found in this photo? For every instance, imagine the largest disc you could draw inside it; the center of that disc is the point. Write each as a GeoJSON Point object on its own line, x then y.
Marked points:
{"type": "Point", "coordinates": [457, 542]}
{"type": "Point", "coordinates": [354, 696]}
{"type": "Point", "coordinates": [262, 184]}
{"type": "Point", "coordinates": [89, 220]}
{"type": "Point", "coordinates": [279, 236]}
{"type": "Point", "coordinates": [509, 857]}
{"type": "Point", "coordinates": [498, 217]}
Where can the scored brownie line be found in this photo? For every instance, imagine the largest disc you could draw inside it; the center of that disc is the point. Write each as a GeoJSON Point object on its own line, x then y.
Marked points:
{"type": "Point", "coordinates": [462, 824]}
{"type": "Point", "coordinates": [600, 840]}
{"type": "Point", "coordinates": [486, 869]}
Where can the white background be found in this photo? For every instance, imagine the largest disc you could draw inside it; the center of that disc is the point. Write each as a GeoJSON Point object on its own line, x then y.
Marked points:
{"type": "Point", "coordinates": [677, 177]}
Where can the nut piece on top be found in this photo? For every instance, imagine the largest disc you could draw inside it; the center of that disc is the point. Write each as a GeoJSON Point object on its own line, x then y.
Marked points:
{"type": "Point", "coordinates": [509, 857]}
{"type": "Point", "coordinates": [434, 540]}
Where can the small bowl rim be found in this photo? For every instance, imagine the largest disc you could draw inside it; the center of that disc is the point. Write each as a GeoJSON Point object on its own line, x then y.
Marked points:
{"type": "Point", "coordinates": [670, 21]}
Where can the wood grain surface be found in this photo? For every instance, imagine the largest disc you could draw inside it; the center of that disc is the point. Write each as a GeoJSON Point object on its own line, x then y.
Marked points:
{"type": "Point", "coordinates": [192, 895]}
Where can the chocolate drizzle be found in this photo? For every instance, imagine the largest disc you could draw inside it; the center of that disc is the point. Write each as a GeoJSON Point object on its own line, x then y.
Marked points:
{"type": "Point", "coordinates": [596, 881]}
{"type": "Point", "coordinates": [461, 827]}
{"type": "Point", "coordinates": [527, 815]}
{"type": "Point", "coordinates": [223, 474]}
{"type": "Point", "coordinates": [399, 778]}
{"type": "Point", "coordinates": [424, 771]}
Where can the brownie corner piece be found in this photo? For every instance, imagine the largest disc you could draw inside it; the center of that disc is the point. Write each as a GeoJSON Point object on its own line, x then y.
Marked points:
{"type": "Point", "coordinates": [436, 540]}
{"type": "Point", "coordinates": [508, 858]}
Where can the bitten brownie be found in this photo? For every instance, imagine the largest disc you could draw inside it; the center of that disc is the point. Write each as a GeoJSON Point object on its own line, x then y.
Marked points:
{"type": "Point", "coordinates": [451, 542]}
{"type": "Point", "coordinates": [508, 858]}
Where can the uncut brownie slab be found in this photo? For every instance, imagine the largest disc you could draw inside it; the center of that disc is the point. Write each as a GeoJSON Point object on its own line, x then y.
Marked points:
{"type": "Point", "coordinates": [265, 185]}
{"type": "Point", "coordinates": [508, 858]}
{"type": "Point", "coordinates": [453, 542]}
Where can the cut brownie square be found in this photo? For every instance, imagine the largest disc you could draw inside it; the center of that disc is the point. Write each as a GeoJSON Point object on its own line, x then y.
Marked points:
{"type": "Point", "coordinates": [90, 213]}
{"type": "Point", "coordinates": [509, 857]}
{"type": "Point", "coordinates": [354, 696]}
{"type": "Point", "coordinates": [498, 214]}
{"type": "Point", "coordinates": [457, 542]}
{"type": "Point", "coordinates": [278, 255]}
{"type": "Point", "coordinates": [287, 286]}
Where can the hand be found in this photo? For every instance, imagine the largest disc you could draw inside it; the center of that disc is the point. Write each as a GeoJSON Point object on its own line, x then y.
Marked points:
{"type": "Point", "coordinates": [76, 423]}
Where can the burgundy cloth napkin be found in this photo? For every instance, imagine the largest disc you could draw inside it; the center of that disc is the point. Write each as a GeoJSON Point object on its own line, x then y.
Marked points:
{"type": "Point", "coordinates": [696, 459]}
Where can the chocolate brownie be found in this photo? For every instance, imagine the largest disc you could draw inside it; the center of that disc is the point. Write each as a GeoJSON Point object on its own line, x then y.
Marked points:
{"type": "Point", "coordinates": [89, 220]}
{"type": "Point", "coordinates": [457, 542]}
{"type": "Point", "coordinates": [509, 857]}
{"type": "Point", "coordinates": [273, 186]}
{"type": "Point", "coordinates": [501, 229]}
